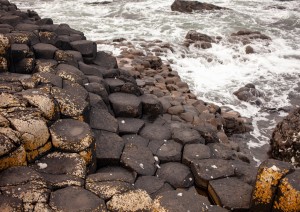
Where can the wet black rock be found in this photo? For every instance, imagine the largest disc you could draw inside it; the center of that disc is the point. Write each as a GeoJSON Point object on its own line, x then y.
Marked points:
{"type": "Point", "coordinates": [285, 141]}
{"type": "Point", "coordinates": [190, 6]}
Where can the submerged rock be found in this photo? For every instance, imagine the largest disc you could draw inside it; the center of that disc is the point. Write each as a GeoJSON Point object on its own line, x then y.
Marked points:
{"type": "Point", "coordinates": [190, 6]}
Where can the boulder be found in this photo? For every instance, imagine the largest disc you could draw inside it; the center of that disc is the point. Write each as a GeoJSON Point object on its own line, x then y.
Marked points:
{"type": "Point", "coordinates": [44, 101]}
{"type": "Point", "coordinates": [71, 135]}
{"type": "Point", "coordinates": [168, 151]}
{"type": "Point", "coordinates": [101, 119]}
{"type": "Point", "coordinates": [195, 152]}
{"type": "Point", "coordinates": [156, 132]}
{"type": "Point", "coordinates": [25, 184]}
{"type": "Point", "coordinates": [138, 158]}
{"type": "Point", "coordinates": [85, 47]}
{"type": "Point", "coordinates": [190, 6]}
{"type": "Point", "coordinates": [109, 148]}
{"type": "Point", "coordinates": [48, 78]}
{"type": "Point", "coordinates": [210, 169]}
{"type": "Point", "coordinates": [109, 185]}
{"type": "Point", "coordinates": [75, 199]}
{"type": "Point", "coordinates": [268, 178]}
{"type": "Point", "coordinates": [288, 194]}
{"type": "Point", "coordinates": [135, 139]}
{"type": "Point", "coordinates": [125, 105]}
{"type": "Point", "coordinates": [71, 73]}
{"type": "Point", "coordinates": [70, 105]}
{"type": "Point", "coordinates": [187, 136]}
{"type": "Point", "coordinates": [132, 201]}
{"type": "Point", "coordinates": [177, 174]}
{"type": "Point", "coordinates": [230, 193]}
{"type": "Point", "coordinates": [45, 51]}
{"type": "Point", "coordinates": [105, 61]}
{"type": "Point", "coordinates": [151, 184]}
{"type": "Point", "coordinates": [152, 107]}
{"type": "Point", "coordinates": [249, 93]}
{"type": "Point", "coordinates": [130, 125]}
{"type": "Point", "coordinates": [285, 141]}
{"type": "Point", "coordinates": [181, 200]}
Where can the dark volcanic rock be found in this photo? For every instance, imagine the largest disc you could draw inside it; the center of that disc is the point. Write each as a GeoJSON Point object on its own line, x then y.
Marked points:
{"type": "Point", "coordinates": [210, 169]}
{"type": "Point", "coordinates": [126, 105]}
{"type": "Point", "coordinates": [130, 125]}
{"type": "Point", "coordinates": [109, 147]}
{"type": "Point", "coordinates": [177, 174]}
{"type": "Point", "coordinates": [285, 141]}
{"type": "Point", "coordinates": [75, 199]}
{"type": "Point", "coordinates": [187, 136]}
{"type": "Point", "coordinates": [101, 119]}
{"type": "Point", "coordinates": [249, 93]}
{"type": "Point", "coordinates": [230, 193]}
{"type": "Point", "coordinates": [105, 61]}
{"type": "Point", "coordinates": [151, 184]}
{"type": "Point", "coordinates": [10, 203]}
{"type": "Point", "coordinates": [190, 6]}
{"type": "Point", "coordinates": [151, 105]}
{"type": "Point", "coordinates": [138, 158]}
{"type": "Point", "coordinates": [45, 51]}
{"type": "Point", "coordinates": [85, 47]}
{"type": "Point", "coordinates": [181, 200]}
{"type": "Point", "coordinates": [135, 139]}
{"type": "Point", "coordinates": [195, 152]}
{"type": "Point", "coordinates": [156, 132]}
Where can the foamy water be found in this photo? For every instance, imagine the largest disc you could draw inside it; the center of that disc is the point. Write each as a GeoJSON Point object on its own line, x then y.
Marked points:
{"type": "Point", "coordinates": [275, 69]}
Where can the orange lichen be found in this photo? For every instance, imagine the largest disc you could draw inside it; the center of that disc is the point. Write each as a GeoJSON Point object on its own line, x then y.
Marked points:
{"type": "Point", "coordinates": [268, 178]}
{"type": "Point", "coordinates": [32, 155]}
{"type": "Point", "coordinates": [16, 158]}
{"type": "Point", "coordinates": [289, 200]}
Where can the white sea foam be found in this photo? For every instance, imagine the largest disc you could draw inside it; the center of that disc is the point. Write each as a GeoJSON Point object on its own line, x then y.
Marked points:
{"type": "Point", "coordinates": [275, 69]}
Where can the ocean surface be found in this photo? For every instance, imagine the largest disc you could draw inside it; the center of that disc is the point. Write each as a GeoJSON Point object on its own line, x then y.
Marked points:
{"type": "Point", "coordinates": [274, 69]}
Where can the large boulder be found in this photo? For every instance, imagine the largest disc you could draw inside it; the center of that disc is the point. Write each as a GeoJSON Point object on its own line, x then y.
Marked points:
{"type": "Point", "coordinates": [285, 141]}
{"type": "Point", "coordinates": [190, 6]}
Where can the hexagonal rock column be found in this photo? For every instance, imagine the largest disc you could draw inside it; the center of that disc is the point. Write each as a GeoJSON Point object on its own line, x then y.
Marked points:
{"type": "Point", "coordinates": [44, 101]}
{"type": "Point", "coordinates": [75, 199]}
{"type": "Point", "coordinates": [230, 193]}
{"type": "Point", "coordinates": [12, 153]}
{"type": "Point", "coordinates": [181, 200]}
{"type": "Point", "coordinates": [288, 194]}
{"type": "Point", "coordinates": [269, 174]}
{"type": "Point", "coordinates": [69, 135]}
{"type": "Point", "coordinates": [33, 129]}
{"type": "Point", "coordinates": [110, 181]}
{"type": "Point", "coordinates": [26, 184]}
{"type": "Point", "coordinates": [70, 105]}
{"type": "Point", "coordinates": [210, 169]}
{"type": "Point", "coordinates": [4, 47]}
{"type": "Point", "coordinates": [62, 169]}
{"type": "Point", "coordinates": [138, 158]}
{"type": "Point", "coordinates": [132, 201]}
{"type": "Point", "coordinates": [177, 174]}
{"type": "Point", "coordinates": [126, 105]}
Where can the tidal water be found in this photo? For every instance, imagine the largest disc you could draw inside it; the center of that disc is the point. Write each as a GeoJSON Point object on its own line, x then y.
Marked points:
{"type": "Point", "coordinates": [274, 69]}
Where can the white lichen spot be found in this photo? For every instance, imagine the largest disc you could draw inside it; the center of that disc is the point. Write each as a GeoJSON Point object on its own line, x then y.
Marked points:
{"type": "Point", "coordinates": [211, 177]}
{"type": "Point", "coordinates": [142, 165]}
{"type": "Point", "coordinates": [123, 121]}
{"type": "Point", "coordinates": [197, 155]}
{"type": "Point", "coordinates": [293, 160]}
{"type": "Point", "coordinates": [216, 150]}
{"type": "Point", "coordinates": [275, 168]}
{"type": "Point", "coordinates": [214, 166]}
{"type": "Point", "coordinates": [157, 166]}
{"type": "Point", "coordinates": [179, 194]}
{"type": "Point", "coordinates": [42, 165]}
{"type": "Point", "coordinates": [156, 158]}
{"type": "Point", "coordinates": [206, 170]}
{"type": "Point", "coordinates": [190, 179]}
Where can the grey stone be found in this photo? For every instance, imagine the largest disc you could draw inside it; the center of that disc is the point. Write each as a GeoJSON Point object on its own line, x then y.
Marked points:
{"type": "Point", "coordinates": [135, 139]}
{"type": "Point", "coordinates": [187, 136]}
{"type": "Point", "coordinates": [156, 132]}
{"type": "Point", "coordinates": [101, 119]}
{"type": "Point", "coordinates": [45, 51]}
{"type": "Point", "coordinates": [177, 174]}
{"type": "Point", "coordinates": [195, 152]}
{"type": "Point", "coordinates": [130, 125]}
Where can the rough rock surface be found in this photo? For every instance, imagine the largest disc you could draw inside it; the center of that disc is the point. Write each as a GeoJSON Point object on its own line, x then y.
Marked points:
{"type": "Point", "coordinates": [285, 141]}
{"type": "Point", "coordinates": [190, 6]}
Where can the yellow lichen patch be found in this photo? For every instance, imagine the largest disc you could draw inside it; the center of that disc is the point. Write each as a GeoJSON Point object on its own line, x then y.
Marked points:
{"type": "Point", "coordinates": [87, 155]}
{"type": "Point", "coordinates": [156, 206]}
{"type": "Point", "coordinates": [3, 64]}
{"type": "Point", "coordinates": [47, 35]}
{"type": "Point", "coordinates": [9, 100]}
{"type": "Point", "coordinates": [289, 200]}
{"type": "Point", "coordinates": [266, 179]}
{"type": "Point", "coordinates": [4, 44]}
{"type": "Point", "coordinates": [3, 121]}
{"type": "Point", "coordinates": [16, 158]}
{"type": "Point", "coordinates": [32, 155]}
{"type": "Point", "coordinates": [131, 201]}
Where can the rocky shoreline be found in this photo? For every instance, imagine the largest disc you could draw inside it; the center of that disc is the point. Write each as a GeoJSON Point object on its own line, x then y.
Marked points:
{"type": "Point", "coordinates": [81, 130]}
